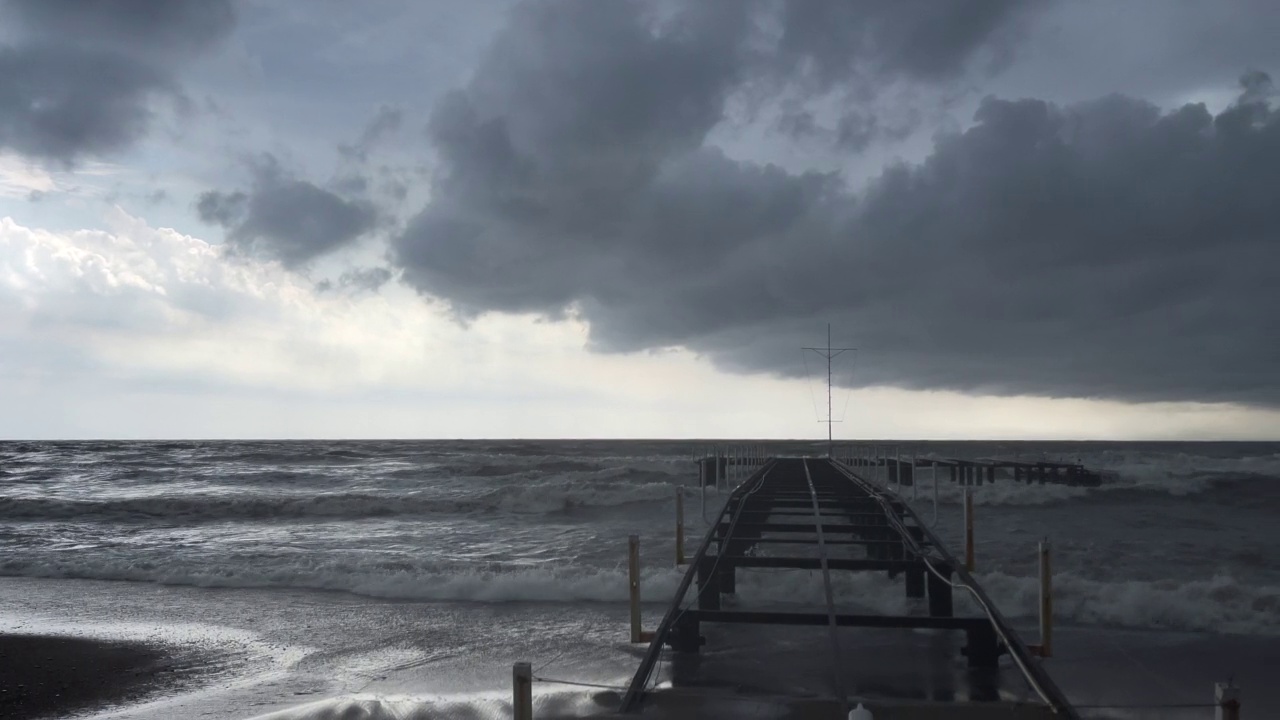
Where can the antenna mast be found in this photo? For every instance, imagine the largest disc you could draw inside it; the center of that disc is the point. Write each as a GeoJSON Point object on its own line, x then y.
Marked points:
{"type": "Point", "coordinates": [829, 352]}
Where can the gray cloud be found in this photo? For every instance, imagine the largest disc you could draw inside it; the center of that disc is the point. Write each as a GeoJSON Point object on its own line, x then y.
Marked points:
{"type": "Point", "coordinates": [386, 122]}
{"type": "Point", "coordinates": [219, 208]}
{"type": "Point", "coordinates": [586, 116]}
{"type": "Point", "coordinates": [83, 77]}
{"type": "Point", "coordinates": [1101, 249]}
{"type": "Point", "coordinates": [286, 219]}
{"type": "Point", "coordinates": [830, 42]}
{"type": "Point", "coordinates": [131, 26]}
{"type": "Point", "coordinates": [59, 103]}
{"type": "Point", "coordinates": [358, 280]}
{"type": "Point", "coordinates": [855, 131]}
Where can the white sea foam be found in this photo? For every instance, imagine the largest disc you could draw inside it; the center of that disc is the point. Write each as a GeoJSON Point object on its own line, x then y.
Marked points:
{"type": "Point", "coordinates": [530, 497]}
{"type": "Point", "coordinates": [1219, 604]}
{"type": "Point", "coordinates": [540, 584]}
{"type": "Point", "coordinates": [480, 706]}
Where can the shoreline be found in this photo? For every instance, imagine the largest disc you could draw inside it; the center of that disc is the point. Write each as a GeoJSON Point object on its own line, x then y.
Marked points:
{"type": "Point", "coordinates": [45, 676]}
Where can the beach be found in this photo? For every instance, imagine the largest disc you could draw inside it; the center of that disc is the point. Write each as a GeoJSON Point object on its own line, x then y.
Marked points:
{"type": "Point", "coordinates": [49, 676]}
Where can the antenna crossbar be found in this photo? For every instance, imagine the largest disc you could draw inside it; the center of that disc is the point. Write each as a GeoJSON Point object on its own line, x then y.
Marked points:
{"type": "Point", "coordinates": [829, 353]}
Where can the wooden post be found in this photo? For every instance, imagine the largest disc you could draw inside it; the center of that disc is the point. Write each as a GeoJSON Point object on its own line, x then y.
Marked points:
{"type": "Point", "coordinates": [679, 525]}
{"type": "Point", "coordinates": [915, 494]}
{"type": "Point", "coordinates": [1227, 696]}
{"type": "Point", "coordinates": [633, 574]}
{"type": "Point", "coordinates": [935, 493]}
{"type": "Point", "coordinates": [968, 530]}
{"type": "Point", "coordinates": [1046, 602]}
{"type": "Point", "coordinates": [522, 691]}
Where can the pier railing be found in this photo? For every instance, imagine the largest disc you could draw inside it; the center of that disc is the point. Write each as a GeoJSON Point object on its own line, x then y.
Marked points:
{"type": "Point", "coordinates": [824, 504]}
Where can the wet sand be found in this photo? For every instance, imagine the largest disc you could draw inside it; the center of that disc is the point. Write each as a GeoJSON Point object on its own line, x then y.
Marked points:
{"type": "Point", "coordinates": [55, 676]}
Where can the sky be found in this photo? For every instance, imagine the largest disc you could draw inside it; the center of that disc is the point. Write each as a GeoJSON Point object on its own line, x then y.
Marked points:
{"type": "Point", "coordinates": [1033, 219]}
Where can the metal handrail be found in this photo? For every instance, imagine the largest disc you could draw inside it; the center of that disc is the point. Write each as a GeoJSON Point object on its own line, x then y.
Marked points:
{"type": "Point", "coordinates": [635, 690]}
{"type": "Point", "coordinates": [1039, 679]}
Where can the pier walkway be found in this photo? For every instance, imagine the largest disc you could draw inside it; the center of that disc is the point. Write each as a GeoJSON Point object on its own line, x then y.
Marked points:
{"type": "Point", "coordinates": [722, 644]}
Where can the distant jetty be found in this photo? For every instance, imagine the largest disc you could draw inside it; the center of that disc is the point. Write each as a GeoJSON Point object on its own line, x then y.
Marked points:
{"type": "Point", "coordinates": [879, 464]}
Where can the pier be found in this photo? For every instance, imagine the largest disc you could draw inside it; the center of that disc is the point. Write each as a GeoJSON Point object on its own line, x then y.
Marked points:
{"type": "Point", "coordinates": [721, 646]}
{"type": "Point", "coordinates": [887, 463]}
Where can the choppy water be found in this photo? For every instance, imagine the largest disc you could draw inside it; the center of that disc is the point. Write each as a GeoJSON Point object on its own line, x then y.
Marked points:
{"type": "Point", "coordinates": [1191, 532]}
{"type": "Point", "coordinates": [1183, 537]}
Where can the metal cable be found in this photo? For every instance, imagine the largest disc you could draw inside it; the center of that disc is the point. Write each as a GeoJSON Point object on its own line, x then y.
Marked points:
{"type": "Point", "coordinates": [925, 557]}
{"type": "Point", "coordinates": [837, 668]}
{"type": "Point", "coordinates": [1147, 707]}
{"type": "Point", "coordinates": [579, 684]}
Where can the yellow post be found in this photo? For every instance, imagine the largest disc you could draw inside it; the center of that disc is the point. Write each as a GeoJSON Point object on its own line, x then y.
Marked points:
{"type": "Point", "coordinates": [522, 691]}
{"type": "Point", "coordinates": [633, 574]}
{"type": "Point", "coordinates": [679, 525]}
{"type": "Point", "coordinates": [1046, 602]}
{"type": "Point", "coordinates": [968, 530]}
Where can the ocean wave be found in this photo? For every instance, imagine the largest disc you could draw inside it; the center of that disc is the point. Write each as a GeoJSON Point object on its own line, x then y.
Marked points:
{"type": "Point", "coordinates": [571, 703]}
{"type": "Point", "coordinates": [1005, 491]}
{"type": "Point", "coordinates": [524, 498]}
{"type": "Point", "coordinates": [543, 584]}
{"type": "Point", "coordinates": [1219, 604]}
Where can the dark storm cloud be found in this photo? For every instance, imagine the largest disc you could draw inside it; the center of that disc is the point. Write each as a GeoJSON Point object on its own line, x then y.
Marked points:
{"type": "Point", "coordinates": [587, 116]}
{"type": "Point", "coordinates": [84, 74]}
{"type": "Point", "coordinates": [1103, 249]}
{"type": "Point", "coordinates": [855, 131]}
{"type": "Point", "coordinates": [60, 103]}
{"type": "Point", "coordinates": [219, 208]}
{"type": "Point", "coordinates": [286, 219]}
{"type": "Point", "coordinates": [133, 26]}
{"type": "Point", "coordinates": [923, 39]}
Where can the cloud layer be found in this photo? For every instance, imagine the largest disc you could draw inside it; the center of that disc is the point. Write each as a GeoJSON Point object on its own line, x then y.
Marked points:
{"type": "Point", "coordinates": [284, 218]}
{"type": "Point", "coordinates": [83, 77]}
{"type": "Point", "coordinates": [1099, 249]}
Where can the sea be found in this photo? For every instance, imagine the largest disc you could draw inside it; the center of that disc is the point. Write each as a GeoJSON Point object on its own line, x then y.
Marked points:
{"type": "Point", "coordinates": [401, 579]}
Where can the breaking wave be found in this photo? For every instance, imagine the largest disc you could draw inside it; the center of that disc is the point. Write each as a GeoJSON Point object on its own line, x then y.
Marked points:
{"type": "Point", "coordinates": [1116, 484]}
{"type": "Point", "coordinates": [1219, 604]}
{"type": "Point", "coordinates": [563, 704]}
{"type": "Point", "coordinates": [206, 507]}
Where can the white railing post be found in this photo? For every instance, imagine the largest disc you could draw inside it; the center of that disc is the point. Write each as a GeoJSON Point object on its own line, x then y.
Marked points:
{"type": "Point", "coordinates": [935, 493]}
{"type": "Point", "coordinates": [633, 582]}
{"type": "Point", "coordinates": [968, 530]}
{"type": "Point", "coordinates": [915, 481]}
{"type": "Point", "coordinates": [679, 525]}
{"type": "Point", "coordinates": [1227, 697]}
{"type": "Point", "coordinates": [1046, 601]}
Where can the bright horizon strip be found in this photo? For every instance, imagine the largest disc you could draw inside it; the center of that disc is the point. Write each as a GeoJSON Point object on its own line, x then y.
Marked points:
{"type": "Point", "coordinates": [200, 346]}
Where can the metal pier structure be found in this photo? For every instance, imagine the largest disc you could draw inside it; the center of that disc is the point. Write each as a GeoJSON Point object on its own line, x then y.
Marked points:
{"type": "Point", "coordinates": [878, 462]}
{"type": "Point", "coordinates": [819, 533]}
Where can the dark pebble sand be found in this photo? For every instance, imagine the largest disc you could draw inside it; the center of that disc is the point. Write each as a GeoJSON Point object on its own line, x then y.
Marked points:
{"type": "Point", "coordinates": [52, 676]}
